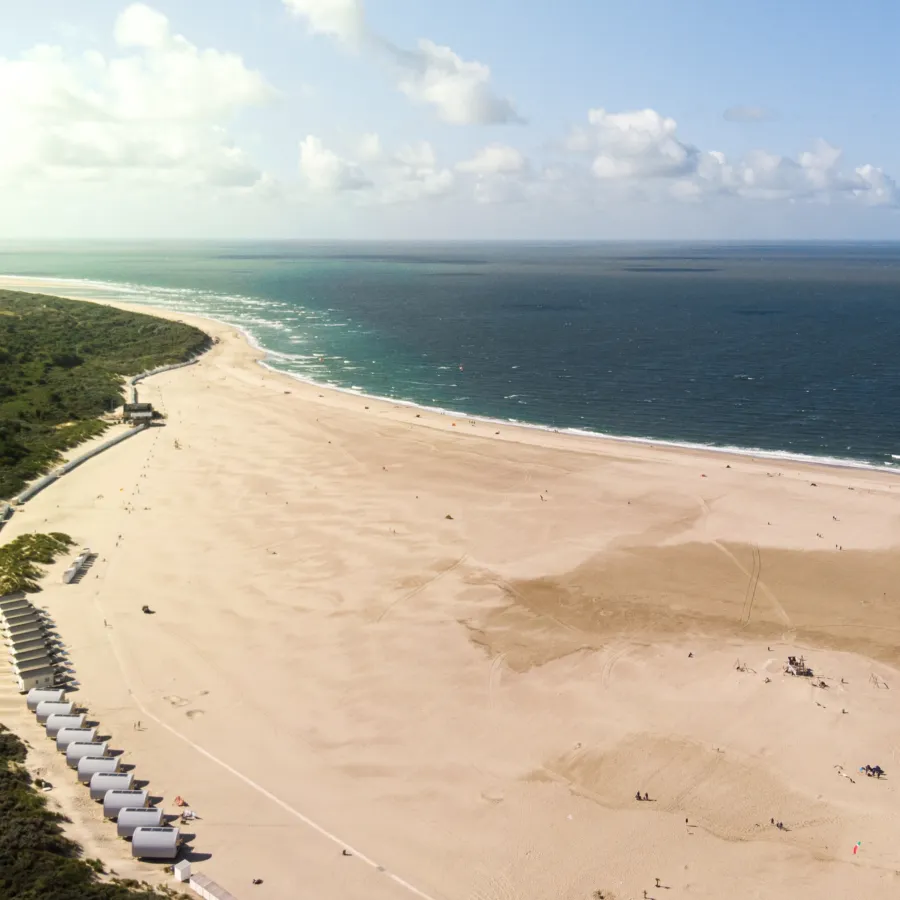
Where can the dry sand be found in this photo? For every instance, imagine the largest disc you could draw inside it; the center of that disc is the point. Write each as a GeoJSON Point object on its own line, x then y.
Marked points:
{"type": "Point", "coordinates": [470, 703]}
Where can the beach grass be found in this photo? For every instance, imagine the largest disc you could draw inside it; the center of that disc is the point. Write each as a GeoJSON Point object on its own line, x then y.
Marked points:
{"type": "Point", "coordinates": [19, 560]}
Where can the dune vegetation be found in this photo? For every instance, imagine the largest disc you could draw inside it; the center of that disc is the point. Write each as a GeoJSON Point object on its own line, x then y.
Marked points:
{"type": "Point", "coordinates": [62, 366]}
{"type": "Point", "coordinates": [19, 560]}
{"type": "Point", "coordinates": [37, 861]}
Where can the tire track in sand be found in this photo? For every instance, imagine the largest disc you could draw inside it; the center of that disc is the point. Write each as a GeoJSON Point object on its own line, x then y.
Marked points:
{"type": "Point", "coordinates": [755, 583]}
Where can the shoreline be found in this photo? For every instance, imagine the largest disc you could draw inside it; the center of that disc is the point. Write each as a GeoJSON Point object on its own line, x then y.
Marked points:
{"type": "Point", "coordinates": [777, 457]}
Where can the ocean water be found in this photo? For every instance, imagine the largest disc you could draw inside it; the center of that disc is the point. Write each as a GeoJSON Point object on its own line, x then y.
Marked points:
{"type": "Point", "coordinates": [787, 349]}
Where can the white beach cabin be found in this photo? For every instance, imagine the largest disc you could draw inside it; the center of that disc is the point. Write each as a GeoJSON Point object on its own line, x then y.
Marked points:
{"type": "Point", "coordinates": [155, 843]}
{"type": "Point", "coordinates": [55, 724]}
{"type": "Point", "coordinates": [113, 801]}
{"type": "Point", "coordinates": [138, 817]}
{"type": "Point", "coordinates": [47, 708]}
{"type": "Point", "coordinates": [88, 766]}
{"type": "Point", "coordinates": [102, 783]}
{"type": "Point", "coordinates": [78, 750]}
{"type": "Point", "coordinates": [36, 696]}
{"type": "Point", "coordinates": [66, 736]}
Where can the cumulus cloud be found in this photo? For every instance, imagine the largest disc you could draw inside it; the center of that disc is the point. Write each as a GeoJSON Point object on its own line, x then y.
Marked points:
{"type": "Point", "coordinates": [748, 114]}
{"type": "Point", "coordinates": [494, 159]}
{"type": "Point", "coordinates": [458, 90]}
{"type": "Point", "coordinates": [370, 147]}
{"type": "Point", "coordinates": [408, 174]}
{"type": "Point", "coordinates": [815, 175]}
{"type": "Point", "coordinates": [141, 26]}
{"type": "Point", "coordinates": [641, 150]}
{"type": "Point", "coordinates": [157, 113]}
{"type": "Point", "coordinates": [875, 187]}
{"type": "Point", "coordinates": [413, 173]}
{"type": "Point", "coordinates": [501, 173]}
{"type": "Point", "coordinates": [343, 19]}
{"type": "Point", "coordinates": [638, 144]}
{"type": "Point", "coordinates": [325, 171]}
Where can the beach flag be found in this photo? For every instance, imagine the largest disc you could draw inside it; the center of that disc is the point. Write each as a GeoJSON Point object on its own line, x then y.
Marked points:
{"type": "Point", "coordinates": [856, 847]}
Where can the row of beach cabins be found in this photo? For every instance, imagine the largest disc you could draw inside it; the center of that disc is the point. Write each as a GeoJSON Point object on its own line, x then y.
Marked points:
{"type": "Point", "coordinates": [99, 771]}
{"type": "Point", "coordinates": [35, 653]}
{"type": "Point", "coordinates": [41, 669]}
{"type": "Point", "coordinates": [39, 666]}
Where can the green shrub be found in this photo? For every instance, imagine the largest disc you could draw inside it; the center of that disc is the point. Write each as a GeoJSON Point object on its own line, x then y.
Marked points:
{"type": "Point", "coordinates": [19, 558]}
{"type": "Point", "coordinates": [62, 365]}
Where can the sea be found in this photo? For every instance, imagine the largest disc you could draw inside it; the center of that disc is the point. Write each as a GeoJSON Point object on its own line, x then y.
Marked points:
{"type": "Point", "coordinates": [785, 350]}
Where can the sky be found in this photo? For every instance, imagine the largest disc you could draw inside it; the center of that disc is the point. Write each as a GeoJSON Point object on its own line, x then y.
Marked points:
{"type": "Point", "coordinates": [450, 119]}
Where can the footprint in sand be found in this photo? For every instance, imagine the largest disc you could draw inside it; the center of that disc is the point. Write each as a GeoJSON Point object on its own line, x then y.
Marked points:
{"type": "Point", "coordinates": [193, 713]}
{"type": "Point", "coordinates": [175, 700]}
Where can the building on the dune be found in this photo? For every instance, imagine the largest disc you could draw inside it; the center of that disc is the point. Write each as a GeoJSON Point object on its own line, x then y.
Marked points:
{"type": "Point", "coordinates": [138, 413]}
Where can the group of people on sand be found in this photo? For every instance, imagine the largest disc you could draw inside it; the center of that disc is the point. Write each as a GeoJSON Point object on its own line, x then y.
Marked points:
{"type": "Point", "coordinates": [638, 796]}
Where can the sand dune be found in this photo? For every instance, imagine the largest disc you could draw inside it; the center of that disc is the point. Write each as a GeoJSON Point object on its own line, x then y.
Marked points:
{"type": "Point", "coordinates": [471, 702]}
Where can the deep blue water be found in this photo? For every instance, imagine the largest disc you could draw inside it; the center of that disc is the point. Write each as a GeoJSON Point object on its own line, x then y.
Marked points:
{"type": "Point", "coordinates": [792, 348]}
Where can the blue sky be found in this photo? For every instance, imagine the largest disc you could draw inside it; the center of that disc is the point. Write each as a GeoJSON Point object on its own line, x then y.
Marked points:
{"type": "Point", "coordinates": [417, 118]}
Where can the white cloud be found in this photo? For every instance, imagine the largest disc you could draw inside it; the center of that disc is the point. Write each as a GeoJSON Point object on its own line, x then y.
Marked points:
{"type": "Point", "coordinates": [642, 152]}
{"type": "Point", "coordinates": [370, 147]}
{"type": "Point", "coordinates": [876, 188]}
{"type": "Point", "coordinates": [141, 26]}
{"type": "Point", "coordinates": [156, 114]}
{"type": "Point", "coordinates": [409, 174]}
{"type": "Point", "coordinates": [501, 174]}
{"type": "Point", "coordinates": [458, 90]}
{"type": "Point", "coordinates": [342, 19]}
{"type": "Point", "coordinates": [639, 144]}
{"type": "Point", "coordinates": [494, 159]}
{"type": "Point", "coordinates": [815, 175]}
{"type": "Point", "coordinates": [325, 171]}
{"type": "Point", "coordinates": [412, 173]}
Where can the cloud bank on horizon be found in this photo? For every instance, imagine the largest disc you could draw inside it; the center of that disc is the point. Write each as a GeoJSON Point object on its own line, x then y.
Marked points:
{"type": "Point", "coordinates": [156, 117]}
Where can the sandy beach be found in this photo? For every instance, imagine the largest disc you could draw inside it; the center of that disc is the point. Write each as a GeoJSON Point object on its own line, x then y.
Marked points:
{"type": "Point", "coordinates": [457, 649]}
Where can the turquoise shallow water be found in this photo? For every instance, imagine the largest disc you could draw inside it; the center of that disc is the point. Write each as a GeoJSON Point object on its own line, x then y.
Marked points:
{"type": "Point", "coordinates": [790, 349]}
